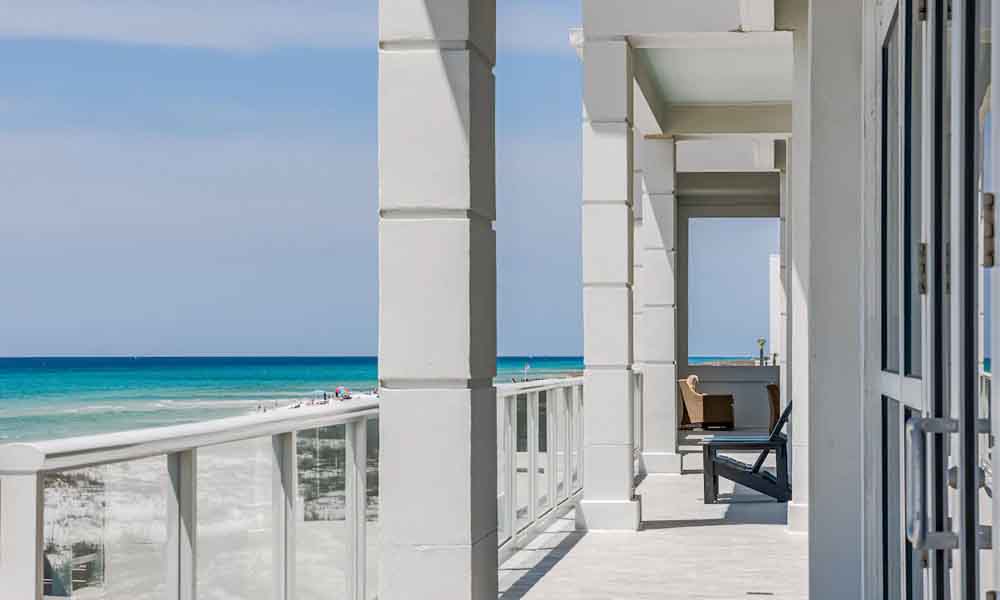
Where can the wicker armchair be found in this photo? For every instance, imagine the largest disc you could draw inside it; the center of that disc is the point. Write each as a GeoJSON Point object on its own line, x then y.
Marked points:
{"type": "Point", "coordinates": [705, 410]}
{"type": "Point", "coordinates": [774, 399]}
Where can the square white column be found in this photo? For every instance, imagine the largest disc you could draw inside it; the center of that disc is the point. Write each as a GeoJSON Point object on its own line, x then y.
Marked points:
{"type": "Point", "coordinates": [608, 264]}
{"type": "Point", "coordinates": [658, 338]}
{"type": "Point", "coordinates": [437, 299]}
{"type": "Point", "coordinates": [800, 331]}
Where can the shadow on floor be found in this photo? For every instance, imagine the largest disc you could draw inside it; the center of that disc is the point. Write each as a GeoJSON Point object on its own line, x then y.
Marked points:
{"type": "Point", "coordinates": [533, 575]}
{"type": "Point", "coordinates": [743, 509]}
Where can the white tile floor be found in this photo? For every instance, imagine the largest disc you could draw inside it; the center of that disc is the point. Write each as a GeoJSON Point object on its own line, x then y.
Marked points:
{"type": "Point", "coordinates": [686, 550]}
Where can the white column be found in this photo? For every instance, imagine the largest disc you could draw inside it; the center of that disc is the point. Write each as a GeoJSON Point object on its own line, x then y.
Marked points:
{"type": "Point", "coordinates": [797, 219]}
{"type": "Point", "coordinates": [21, 503]}
{"type": "Point", "coordinates": [838, 546]}
{"type": "Point", "coordinates": [437, 304]}
{"type": "Point", "coordinates": [658, 338]}
{"type": "Point", "coordinates": [609, 501]}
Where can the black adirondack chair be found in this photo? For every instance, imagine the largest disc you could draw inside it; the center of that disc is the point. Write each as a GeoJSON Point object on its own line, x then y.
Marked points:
{"type": "Point", "coordinates": [752, 476]}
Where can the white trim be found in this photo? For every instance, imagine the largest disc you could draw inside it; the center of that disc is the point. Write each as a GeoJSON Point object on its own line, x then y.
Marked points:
{"type": "Point", "coordinates": [703, 40]}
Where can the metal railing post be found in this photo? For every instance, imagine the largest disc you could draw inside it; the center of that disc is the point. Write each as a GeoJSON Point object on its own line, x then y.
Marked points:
{"type": "Point", "coordinates": [182, 526]}
{"type": "Point", "coordinates": [284, 481]}
{"type": "Point", "coordinates": [21, 528]}
{"type": "Point", "coordinates": [356, 513]}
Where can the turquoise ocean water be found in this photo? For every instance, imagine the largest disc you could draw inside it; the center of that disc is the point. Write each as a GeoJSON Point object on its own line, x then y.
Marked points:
{"type": "Point", "coordinates": [43, 398]}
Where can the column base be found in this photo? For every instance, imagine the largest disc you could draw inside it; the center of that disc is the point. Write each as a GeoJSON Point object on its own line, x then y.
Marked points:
{"type": "Point", "coordinates": [798, 517]}
{"type": "Point", "coordinates": [661, 463]}
{"type": "Point", "coordinates": [613, 515]}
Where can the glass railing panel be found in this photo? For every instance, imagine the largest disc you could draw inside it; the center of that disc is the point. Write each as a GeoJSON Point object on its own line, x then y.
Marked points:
{"type": "Point", "coordinates": [542, 470]}
{"type": "Point", "coordinates": [105, 531]}
{"type": "Point", "coordinates": [235, 557]}
{"type": "Point", "coordinates": [372, 503]}
{"type": "Point", "coordinates": [560, 436]}
{"type": "Point", "coordinates": [321, 537]}
{"type": "Point", "coordinates": [522, 489]}
{"type": "Point", "coordinates": [503, 472]}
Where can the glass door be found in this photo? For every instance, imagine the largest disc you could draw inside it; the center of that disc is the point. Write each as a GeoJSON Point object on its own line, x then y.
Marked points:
{"type": "Point", "coordinates": [904, 286]}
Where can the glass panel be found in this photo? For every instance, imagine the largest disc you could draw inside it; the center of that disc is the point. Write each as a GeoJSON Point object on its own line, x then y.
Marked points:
{"type": "Point", "coordinates": [913, 192]}
{"type": "Point", "coordinates": [542, 472]}
{"type": "Point", "coordinates": [892, 498]}
{"type": "Point", "coordinates": [890, 201]}
{"type": "Point", "coordinates": [321, 537]}
{"type": "Point", "coordinates": [574, 438]}
{"type": "Point", "coordinates": [235, 520]}
{"type": "Point", "coordinates": [373, 505]}
{"type": "Point", "coordinates": [521, 488]}
{"type": "Point", "coordinates": [560, 436]}
{"type": "Point", "coordinates": [105, 531]}
{"type": "Point", "coordinates": [503, 446]}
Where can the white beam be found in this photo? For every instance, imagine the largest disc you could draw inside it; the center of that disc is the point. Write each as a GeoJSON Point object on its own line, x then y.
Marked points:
{"type": "Point", "coordinates": [712, 120]}
{"type": "Point", "coordinates": [602, 18]}
{"type": "Point", "coordinates": [757, 15]}
{"type": "Point", "coordinates": [712, 40]}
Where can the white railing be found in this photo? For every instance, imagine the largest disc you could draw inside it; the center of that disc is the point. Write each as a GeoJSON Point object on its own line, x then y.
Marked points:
{"type": "Point", "coordinates": [275, 505]}
{"type": "Point", "coordinates": [539, 457]}
{"type": "Point", "coordinates": [217, 508]}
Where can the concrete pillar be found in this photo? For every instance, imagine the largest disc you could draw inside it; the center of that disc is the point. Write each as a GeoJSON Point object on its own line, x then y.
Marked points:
{"type": "Point", "coordinates": [658, 338]}
{"type": "Point", "coordinates": [437, 303]}
{"type": "Point", "coordinates": [609, 501]}
{"type": "Point", "coordinates": [798, 221]}
{"type": "Point", "coordinates": [837, 259]}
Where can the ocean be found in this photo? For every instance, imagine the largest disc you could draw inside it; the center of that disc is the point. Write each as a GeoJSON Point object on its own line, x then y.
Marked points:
{"type": "Point", "coordinates": [44, 398]}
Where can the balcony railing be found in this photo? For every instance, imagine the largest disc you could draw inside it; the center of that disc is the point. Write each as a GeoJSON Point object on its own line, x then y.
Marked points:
{"type": "Point", "coordinates": [276, 505]}
{"type": "Point", "coordinates": [539, 457]}
{"type": "Point", "coordinates": [258, 506]}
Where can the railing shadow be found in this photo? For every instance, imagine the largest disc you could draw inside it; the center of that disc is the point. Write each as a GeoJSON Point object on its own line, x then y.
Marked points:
{"type": "Point", "coordinates": [532, 575]}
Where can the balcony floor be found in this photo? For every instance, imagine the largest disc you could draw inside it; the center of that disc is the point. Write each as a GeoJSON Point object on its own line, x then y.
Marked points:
{"type": "Point", "coordinates": [686, 549]}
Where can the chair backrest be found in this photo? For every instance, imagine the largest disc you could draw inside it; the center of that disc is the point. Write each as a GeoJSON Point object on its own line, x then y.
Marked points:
{"type": "Point", "coordinates": [776, 431]}
{"type": "Point", "coordinates": [774, 402]}
{"type": "Point", "coordinates": [688, 393]}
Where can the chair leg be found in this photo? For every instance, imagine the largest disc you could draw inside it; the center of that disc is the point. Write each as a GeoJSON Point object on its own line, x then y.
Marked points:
{"type": "Point", "coordinates": [784, 485]}
{"type": "Point", "coordinates": [711, 479]}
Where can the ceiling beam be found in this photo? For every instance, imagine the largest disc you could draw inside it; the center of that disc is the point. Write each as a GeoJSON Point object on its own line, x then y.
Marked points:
{"type": "Point", "coordinates": [712, 120]}
{"type": "Point", "coordinates": [756, 15]}
{"type": "Point", "coordinates": [713, 39]}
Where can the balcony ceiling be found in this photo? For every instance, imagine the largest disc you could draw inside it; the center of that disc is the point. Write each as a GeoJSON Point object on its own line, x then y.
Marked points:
{"type": "Point", "coordinates": [719, 68]}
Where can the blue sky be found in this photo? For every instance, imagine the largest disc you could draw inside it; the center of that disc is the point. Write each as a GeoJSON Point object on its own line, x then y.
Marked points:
{"type": "Point", "coordinates": [200, 178]}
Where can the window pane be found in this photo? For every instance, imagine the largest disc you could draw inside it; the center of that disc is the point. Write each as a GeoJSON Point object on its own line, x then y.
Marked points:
{"type": "Point", "coordinates": [890, 202]}
{"type": "Point", "coordinates": [913, 193]}
{"type": "Point", "coordinates": [105, 531]}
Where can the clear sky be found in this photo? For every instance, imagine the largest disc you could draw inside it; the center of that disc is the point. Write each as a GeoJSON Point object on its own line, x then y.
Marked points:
{"type": "Point", "coordinates": [187, 177]}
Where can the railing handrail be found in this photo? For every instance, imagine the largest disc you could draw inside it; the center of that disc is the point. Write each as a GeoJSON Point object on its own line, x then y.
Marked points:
{"type": "Point", "coordinates": [507, 389]}
{"type": "Point", "coordinates": [87, 451]}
